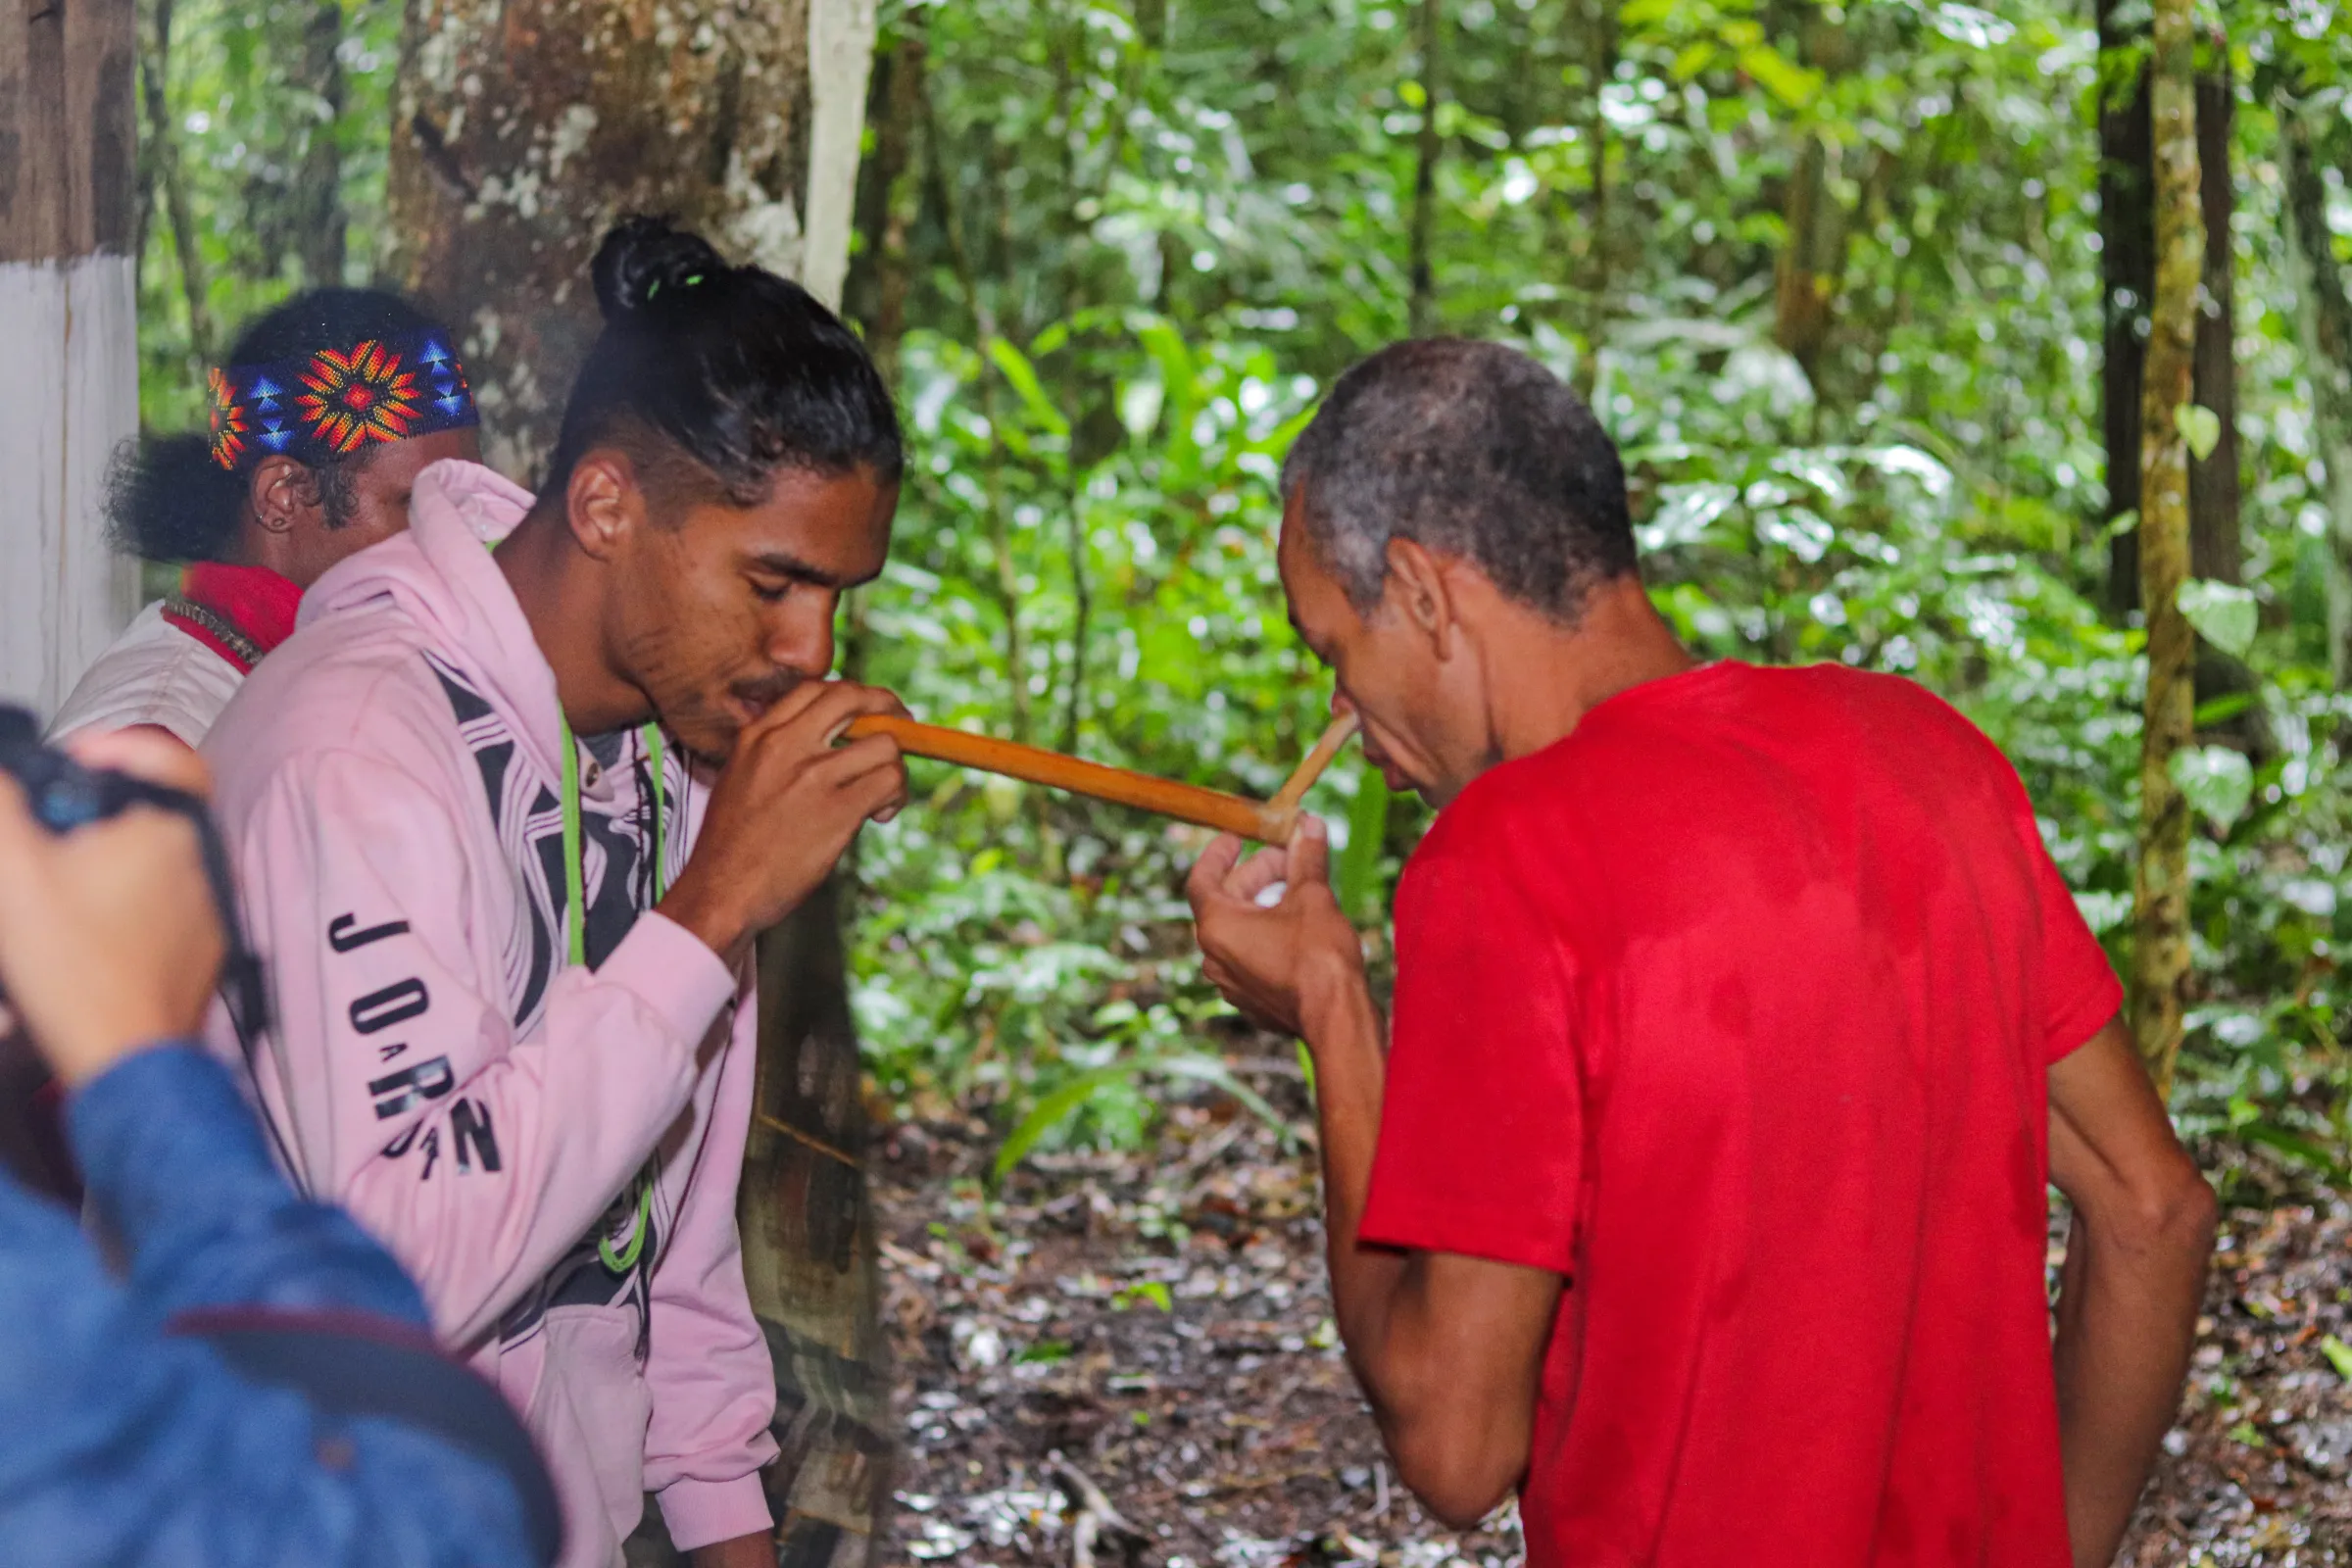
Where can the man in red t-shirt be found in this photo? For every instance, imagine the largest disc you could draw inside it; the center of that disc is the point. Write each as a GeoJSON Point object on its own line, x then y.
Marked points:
{"type": "Point", "coordinates": [1741, 1022]}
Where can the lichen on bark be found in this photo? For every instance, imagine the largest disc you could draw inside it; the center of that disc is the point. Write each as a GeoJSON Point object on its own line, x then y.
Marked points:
{"type": "Point", "coordinates": [523, 128]}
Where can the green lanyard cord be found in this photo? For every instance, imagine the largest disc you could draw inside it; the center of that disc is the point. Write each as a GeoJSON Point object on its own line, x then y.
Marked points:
{"type": "Point", "coordinates": [574, 857]}
{"type": "Point", "coordinates": [575, 906]}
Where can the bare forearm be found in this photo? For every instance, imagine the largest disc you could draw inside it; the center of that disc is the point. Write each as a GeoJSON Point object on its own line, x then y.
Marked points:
{"type": "Point", "coordinates": [1343, 1031]}
{"type": "Point", "coordinates": [2126, 1318]}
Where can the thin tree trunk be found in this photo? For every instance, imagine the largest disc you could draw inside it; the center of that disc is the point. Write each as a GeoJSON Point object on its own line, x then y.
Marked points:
{"type": "Point", "coordinates": [1812, 260]}
{"type": "Point", "coordinates": [155, 61]}
{"type": "Point", "coordinates": [2160, 947]}
{"type": "Point", "coordinates": [880, 276]}
{"type": "Point", "coordinates": [2127, 279]}
{"type": "Point", "coordinates": [1812, 256]}
{"type": "Point", "coordinates": [316, 210]}
{"type": "Point", "coordinates": [2323, 316]}
{"type": "Point", "coordinates": [1421, 304]}
{"type": "Point", "coordinates": [1082, 604]}
{"type": "Point", "coordinates": [984, 326]}
{"type": "Point", "coordinates": [1601, 17]}
{"type": "Point", "coordinates": [2216, 545]}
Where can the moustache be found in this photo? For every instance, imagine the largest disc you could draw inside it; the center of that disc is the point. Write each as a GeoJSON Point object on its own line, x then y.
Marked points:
{"type": "Point", "coordinates": [768, 690]}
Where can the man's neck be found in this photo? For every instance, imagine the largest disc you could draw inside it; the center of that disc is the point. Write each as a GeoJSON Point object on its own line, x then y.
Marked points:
{"type": "Point", "coordinates": [1546, 677]}
{"type": "Point", "coordinates": [561, 595]}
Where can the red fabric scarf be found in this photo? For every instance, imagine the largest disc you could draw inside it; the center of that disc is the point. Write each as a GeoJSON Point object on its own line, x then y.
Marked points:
{"type": "Point", "coordinates": [255, 600]}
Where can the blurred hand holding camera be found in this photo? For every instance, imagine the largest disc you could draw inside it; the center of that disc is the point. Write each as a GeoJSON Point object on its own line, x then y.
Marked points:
{"type": "Point", "coordinates": [109, 937]}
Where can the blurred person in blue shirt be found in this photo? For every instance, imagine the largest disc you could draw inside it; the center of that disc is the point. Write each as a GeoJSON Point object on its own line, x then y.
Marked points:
{"type": "Point", "coordinates": [260, 1386]}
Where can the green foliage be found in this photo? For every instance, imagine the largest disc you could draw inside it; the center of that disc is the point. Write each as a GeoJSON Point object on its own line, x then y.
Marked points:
{"type": "Point", "coordinates": [1145, 234]}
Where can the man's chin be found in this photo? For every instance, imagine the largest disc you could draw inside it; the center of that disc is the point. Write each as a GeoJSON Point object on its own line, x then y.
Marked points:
{"type": "Point", "coordinates": [708, 738]}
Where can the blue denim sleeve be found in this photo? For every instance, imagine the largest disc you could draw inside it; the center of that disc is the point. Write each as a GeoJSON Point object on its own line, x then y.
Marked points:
{"type": "Point", "coordinates": [121, 1445]}
{"type": "Point", "coordinates": [177, 1168]}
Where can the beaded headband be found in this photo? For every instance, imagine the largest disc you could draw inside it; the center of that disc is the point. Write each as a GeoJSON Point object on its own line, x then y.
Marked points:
{"type": "Point", "coordinates": [319, 407]}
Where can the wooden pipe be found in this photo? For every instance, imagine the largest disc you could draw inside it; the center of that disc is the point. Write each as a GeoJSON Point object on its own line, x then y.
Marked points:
{"type": "Point", "coordinates": [1266, 823]}
{"type": "Point", "coordinates": [1310, 767]}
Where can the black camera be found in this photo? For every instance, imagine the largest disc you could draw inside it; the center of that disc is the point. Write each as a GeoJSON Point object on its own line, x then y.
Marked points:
{"type": "Point", "coordinates": [64, 795]}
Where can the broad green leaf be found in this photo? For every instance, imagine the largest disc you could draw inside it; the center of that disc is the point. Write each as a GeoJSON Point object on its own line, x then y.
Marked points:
{"type": "Point", "coordinates": [2218, 782]}
{"type": "Point", "coordinates": [2223, 709]}
{"type": "Point", "coordinates": [2340, 1357]}
{"type": "Point", "coordinates": [1155, 1291]}
{"type": "Point", "coordinates": [2200, 427]}
{"type": "Point", "coordinates": [2224, 613]}
{"type": "Point", "coordinates": [1358, 868]}
{"type": "Point", "coordinates": [1694, 60]}
{"type": "Point", "coordinates": [1794, 86]}
{"type": "Point", "coordinates": [1021, 377]}
{"type": "Point", "coordinates": [1051, 1110]}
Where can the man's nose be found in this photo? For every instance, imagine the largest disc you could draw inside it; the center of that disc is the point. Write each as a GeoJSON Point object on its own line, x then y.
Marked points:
{"type": "Point", "coordinates": [802, 639]}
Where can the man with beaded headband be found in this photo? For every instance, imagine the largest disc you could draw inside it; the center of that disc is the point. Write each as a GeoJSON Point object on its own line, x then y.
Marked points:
{"type": "Point", "coordinates": [328, 407]}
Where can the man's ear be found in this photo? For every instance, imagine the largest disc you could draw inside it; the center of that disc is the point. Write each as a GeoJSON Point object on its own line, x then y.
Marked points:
{"type": "Point", "coordinates": [283, 493]}
{"type": "Point", "coordinates": [1422, 591]}
{"type": "Point", "coordinates": [603, 504]}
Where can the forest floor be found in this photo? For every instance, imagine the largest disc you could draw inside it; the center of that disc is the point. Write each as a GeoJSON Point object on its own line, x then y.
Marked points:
{"type": "Point", "coordinates": [1106, 1342]}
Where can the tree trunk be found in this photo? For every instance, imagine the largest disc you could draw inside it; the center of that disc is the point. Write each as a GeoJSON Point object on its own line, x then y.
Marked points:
{"type": "Point", "coordinates": [69, 172]}
{"type": "Point", "coordinates": [2216, 546]}
{"type": "Point", "coordinates": [1421, 304]}
{"type": "Point", "coordinates": [2323, 316]}
{"type": "Point", "coordinates": [2128, 279]}
{"type": "Point", "coordinates": [523, 128]}
{"type": "Point", "coordinates": [1812, 262]}
{"type": "Point", "coordinates": [2160, 947]}
{"type": "Point", "coordinates": [1601, 55]}
{"type": "Point", "coordinates": [317, 207]}
{"type": "Point", "coordinates": [2128, 273]}
{"type": "Point", "coordinates": [878, 277]}
{"type": "Point", "coordinates": [163, 147]}
{"type": "Point", "coordinates": [1812, 256]}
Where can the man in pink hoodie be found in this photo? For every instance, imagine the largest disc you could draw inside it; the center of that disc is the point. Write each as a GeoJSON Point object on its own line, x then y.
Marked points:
{"type": "Point", "coordinates": [506, 825]}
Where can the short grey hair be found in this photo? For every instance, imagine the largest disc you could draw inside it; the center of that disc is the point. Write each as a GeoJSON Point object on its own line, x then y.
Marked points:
{"type": "Point", "coordinates": [1471, 450]}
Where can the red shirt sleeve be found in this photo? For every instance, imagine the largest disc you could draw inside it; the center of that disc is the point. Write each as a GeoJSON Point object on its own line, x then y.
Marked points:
{"type": "Point", "coordinates": [2080, 990]}
{"type": "Point", "coordinates": [1481, 1149]}
{"type": "Point", "coordinates": [2079, 981]}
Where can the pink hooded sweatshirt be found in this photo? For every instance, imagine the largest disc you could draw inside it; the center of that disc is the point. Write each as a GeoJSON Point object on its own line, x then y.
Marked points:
{"type": "Point", "coordinates": [550, 1151]}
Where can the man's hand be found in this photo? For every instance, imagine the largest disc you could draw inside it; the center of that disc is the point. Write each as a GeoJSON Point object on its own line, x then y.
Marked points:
{"type": "Point", "coordinates": [1275, 962]}
{"type": "Point", "coordinates": [109, 938]}
{"type": "Point", "coordinates": [784, 808]}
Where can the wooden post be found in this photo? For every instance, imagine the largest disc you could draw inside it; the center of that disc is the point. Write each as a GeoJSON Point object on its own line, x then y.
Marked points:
{"type": "Point", "coordinates": [67, 151]}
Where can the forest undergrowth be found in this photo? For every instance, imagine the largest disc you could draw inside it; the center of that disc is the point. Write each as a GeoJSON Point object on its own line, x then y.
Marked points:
{"type": "Point", "coordinates": [1149, 1332]}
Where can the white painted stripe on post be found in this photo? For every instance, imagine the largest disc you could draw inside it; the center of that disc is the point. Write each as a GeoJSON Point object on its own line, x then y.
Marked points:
{"type": "Point", "coordinates": [70, 394]}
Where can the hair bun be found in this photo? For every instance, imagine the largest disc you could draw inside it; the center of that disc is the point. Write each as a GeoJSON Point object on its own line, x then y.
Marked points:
{"type": "Point", "coordinates": [643, 261]}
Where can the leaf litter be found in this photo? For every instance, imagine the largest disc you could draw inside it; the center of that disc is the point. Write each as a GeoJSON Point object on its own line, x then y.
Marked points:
{"type": "Point", "coordinates": [1128, 1358]}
